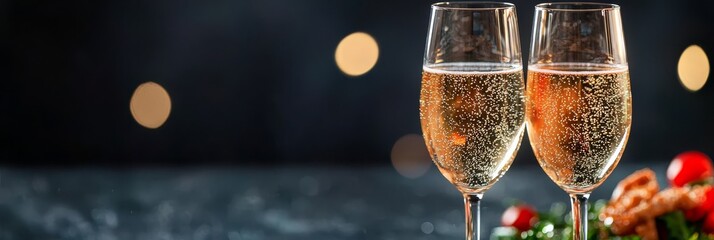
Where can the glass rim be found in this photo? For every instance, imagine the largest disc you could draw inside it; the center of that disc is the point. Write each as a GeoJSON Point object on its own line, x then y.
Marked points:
{"type": "Point", "coordinates": [473, 5]}
{"type": "Point", "coordinates": [577, 6]}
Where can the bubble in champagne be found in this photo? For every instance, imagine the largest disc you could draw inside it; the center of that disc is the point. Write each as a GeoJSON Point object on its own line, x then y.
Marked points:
{"type": "Point", "coordinates": [578, 122]}
{"type": "Point", "coordinates": [473, 120]}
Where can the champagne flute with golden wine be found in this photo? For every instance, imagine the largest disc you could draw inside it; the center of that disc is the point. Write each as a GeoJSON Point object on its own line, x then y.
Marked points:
{"type": "Point", "coordinates": [578, 98]}
{"type": "Point", "coordinates": [472, 105]}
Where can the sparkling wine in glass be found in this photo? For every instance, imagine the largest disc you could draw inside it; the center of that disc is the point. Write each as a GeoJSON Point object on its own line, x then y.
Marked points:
{"type": "Point", "coordinates": [579, 105]}
{"type": "Point", "coordinates": [472, 105]}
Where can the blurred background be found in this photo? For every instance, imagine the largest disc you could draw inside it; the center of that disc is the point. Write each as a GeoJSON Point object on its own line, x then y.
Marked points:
{"type": "Point", "coordinates": [118, 117]}
{"type": "Point", "coordinates": [257, 83]}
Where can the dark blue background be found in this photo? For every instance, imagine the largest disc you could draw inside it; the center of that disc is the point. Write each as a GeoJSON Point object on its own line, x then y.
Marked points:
{"type": "Point", "coordinates": [255, 82]}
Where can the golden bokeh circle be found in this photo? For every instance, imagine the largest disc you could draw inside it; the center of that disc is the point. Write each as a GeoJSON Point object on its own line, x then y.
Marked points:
{"type": "Point", "coordinates": [150, 105]}
{"type": "Point", "coordinates": [356, 54]}
{"type": "Point", "coordinates": [410, 157]}
{"type": "Point", "coordinates": [693, 68]}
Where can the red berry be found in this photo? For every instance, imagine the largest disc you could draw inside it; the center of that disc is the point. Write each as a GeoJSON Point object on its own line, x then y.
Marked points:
{"type": "Point", "coordinates": [708, 225]}
{"type": "Point", "coordinates": [521, 217]}
{"type": "Point", "coordinates": [706, 206]}
{"type": "Point", "coordinates": [689, 167]}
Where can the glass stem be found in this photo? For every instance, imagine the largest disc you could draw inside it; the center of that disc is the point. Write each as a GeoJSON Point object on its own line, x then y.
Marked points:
{"type": "Point", "coordinates": [472, 207]}
{"type": "Point", "coordinates": [579, 203]}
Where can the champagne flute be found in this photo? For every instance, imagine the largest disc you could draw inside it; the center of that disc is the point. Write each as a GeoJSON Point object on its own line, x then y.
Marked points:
{"type": "Point", "coordinates": [579, 105]}
{"type": "Point", "coordinates": [472, 105]}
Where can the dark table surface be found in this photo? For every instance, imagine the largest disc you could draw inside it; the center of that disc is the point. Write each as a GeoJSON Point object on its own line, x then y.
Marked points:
{"type": "Point", "coordinates": [258, 203]}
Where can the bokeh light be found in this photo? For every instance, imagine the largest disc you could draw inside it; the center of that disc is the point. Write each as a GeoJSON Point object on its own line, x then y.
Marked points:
{"type": "Point", "coordinates": [410, 156]}
{"type": "Point", "coordinates": [150, 105]}
{"type": "Point", "coordinates": [693, 68]}
{"type": "Point", "coordinates": [356, 54]}
{"type": "Point", "coordinates": [427, 227]}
